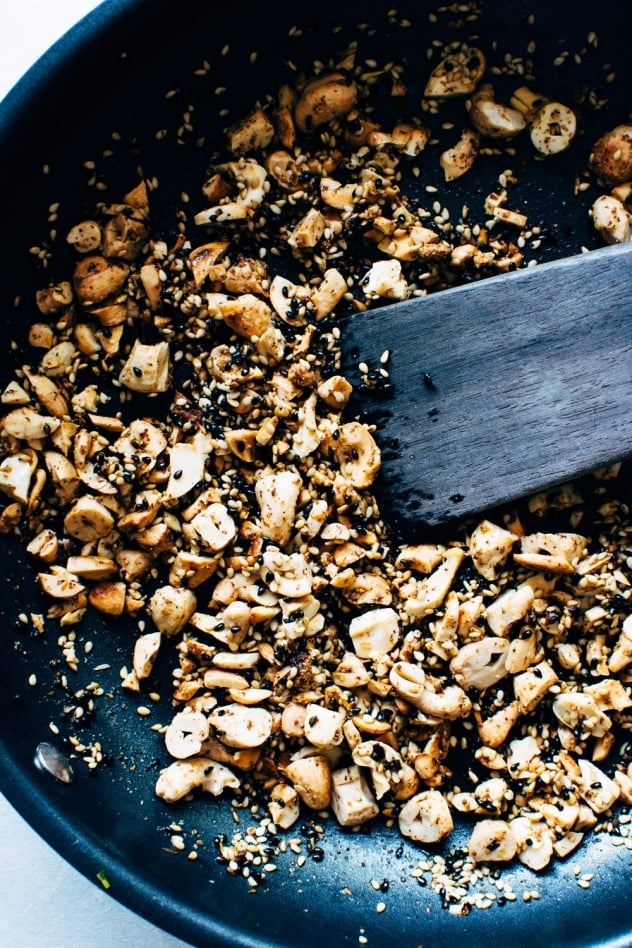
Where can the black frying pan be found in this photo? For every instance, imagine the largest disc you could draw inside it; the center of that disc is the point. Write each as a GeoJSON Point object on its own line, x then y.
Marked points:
{"type": "Point", "coordinates": [111, 823]}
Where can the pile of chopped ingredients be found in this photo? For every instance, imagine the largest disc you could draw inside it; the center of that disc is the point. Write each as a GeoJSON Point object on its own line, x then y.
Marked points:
{"type": "Point", "coordinates": [179, 448]}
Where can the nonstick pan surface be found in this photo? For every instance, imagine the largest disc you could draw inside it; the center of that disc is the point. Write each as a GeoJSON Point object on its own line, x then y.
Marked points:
{"type": "Point", "coordinates": [109, 824]}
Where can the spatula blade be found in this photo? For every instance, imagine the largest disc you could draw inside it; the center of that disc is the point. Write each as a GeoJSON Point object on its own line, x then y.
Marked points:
{"type": "Point", "coordinates": [498, 388]}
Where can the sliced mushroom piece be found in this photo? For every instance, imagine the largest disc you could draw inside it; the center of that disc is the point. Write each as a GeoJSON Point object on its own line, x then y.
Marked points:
{"type": "Point", "coordinates": [48, 393]}
{"type": "Point", "coordinates": [457, 160]}
{"type": "Point", "coordinates": [60, 584]}
{"type": "Point", "coordinates": [511, 606]}
{"type": "Point", "coordinates": [91, 566]}
{"type": "Point", "coordinates": [595, 787]}
{"type": "Point", "coordinates": [184, 776]}
{"type": "Point", "coordinates": [350, 672]}
{"type": "Point", "coordinates": [289, 300]}
{"type": "Point", "coordinates": [534, 841]}
{"type": "Point", "coordinates": [312, 780]}
{"type": "Point", "coordinates": [530, 686]}
{"type": "Point", "coordinates": [255, 132]}
{"type": "Point", "coordinates": [186, 734]}
{"type": "Point", "coordinates": [611, 219]}
{"type": "Point", "coordinates": [277, 494]}
{"type": "Point", "coordinates": [335, 392]}
{"type": "Point", "coordinates": [146, 648]}
{"type": "Point", "coordinates": [109, 597]}
{"type": "Point", "coordinates": [494, 730]}
{"type": "Point", "coordinates": [490, 797]}
{"type": "Point", "coordinates": [14, 394]}
{"type": "Point", "coordinates": [491, 118]}
{"type": "Point", "coordinates": [492, 841]}
{"type": "Point", "coordinates": [286, 575]}
{"type": "Point", "coordinates": [489, 547]}
{"type": "Point", "coordinates": [284, 805]}
{"type": "Point", "coordinates": [95, 279]}
{"type": "Point", "coordinates": [44, 545]}
{"type": "Point", "coordinates": [430, 695]}
{"type": "Point", "coordinates": [323, 726]}
{"type": "Point", "coordinates": [458, 74]}
{"type": "Point", "coordinates": [426, 818]}
{"type": "Point", "coordinates": [308, 231]}
{"type": "Point", "coordinates": [351, 799]}
{"type": "Point", "coordinates": [329, 292]}
{"type": "Point", "coordinates": [385, 279]}
{"type": "Point", "coordinates": [357, 454]}
{"type": "Point", "coordinates": [334, 194]}
{"type": "Point", "coordinates": [16, 474]}
{"type": "Point", "coordinates": [432, 590]}
{"type": "Point", "coordinates": [88, 519]}
{"type": "Point", "coordinates": [480, 664]}
{"type": "Point", "coordinates": [28, 425]}
{"type": "Point", "coordinates": [241, 726]}
{"type": "Point", "coordinates": [611, 156]}
{"type": "Point", "coordinates": [186, 470]}
{"type": "Point", "coordinates": [54, 299]}
{"type": "Point", "coordinates": [553, 128]}
{"type": "Point", "coordinates": [171, 607]}
{"type": "Point", "coordinates": [375, 633]}
{"type": "Point", "coordinates": [621, 655]}
{"type": "Point", "coordinates": [147, 368]}
{"type": "Point", "coordinates": [285, 170]}
{"type": "Point", "coordinates": [205, 261]}
{"type": "Point", "coordinates": [246, 315]}
{"type": "Point", "coordinates": [123, 237]}
{"type": "Point", "coordinates": [324, 99]}
{"type": "Point", "coordinates": [389, 771]}
{"type": "Point", "coordinates": [580, 712]}
{"type": "Point", "coordinates": [213, 527]}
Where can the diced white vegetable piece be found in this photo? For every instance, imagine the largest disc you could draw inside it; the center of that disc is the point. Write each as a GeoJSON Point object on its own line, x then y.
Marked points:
{"type": "Point", "coordinates": [492, 841]}
{"type": "Point", "coordinates": [28, 425]}
{"type": "Point", "coordinates": [214, 527]}
{"type": "Point", "coordinates": [426, 817]}
{"type": "Point", "coordinates": [490, 545]}
{"type": "Point", "coordinates": [521, 752]}
{"type": "Point", "coordinates": [277, 494]}
{"type": "Point", "coordinates": [171, 607]}
{"type": "Point", "coordinates": [241, 726]}
{"type": "Point", "coordinates": [284, 805]}
{"type": "Point", "coordinates": [374, 633]}
{"type": "Point", "coordinates": [147, 368]}
{"type": "Point", "coordinates": [323, 726]}
{"type": "Point", "coordinates": [480, 664]}
{"type": "Point", "coordinates": [432, 590]}
{"type": "Point", "coordinates": [511, 606]}
{"type": "Point", "coordinates": [88, 519]}
{"type": "Point", "coordinates": [16, 472]}
{"type": "Point", "coordinates": [596, 788]}
{"type": "Point", "coordinates": [530, 686]}
{"type": "Point", "coordinates": [385, 279]}
{"type": "Point", "coordinates": [146, 648]}
{"type": "Point", "coordinates": [534, 841]}
{"type": "Point", "coordinates": [186, 733]}
{"type": "Point", "coordinates": [311, 778]}
{"type": "Point", "coordinates": [186, 469]}
{"type": "Point", "coordinates": [351, 799]}
{"type": "Point", "coordinates": [184, 776]}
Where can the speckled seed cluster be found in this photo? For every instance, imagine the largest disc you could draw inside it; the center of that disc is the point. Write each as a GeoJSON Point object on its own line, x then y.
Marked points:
{"type": "Point", "coordinates": [321, 667]}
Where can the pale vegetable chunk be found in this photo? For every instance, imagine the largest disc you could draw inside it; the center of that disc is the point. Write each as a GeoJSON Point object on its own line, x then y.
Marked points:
{"type": "Point", "coordinates": [426, 818]}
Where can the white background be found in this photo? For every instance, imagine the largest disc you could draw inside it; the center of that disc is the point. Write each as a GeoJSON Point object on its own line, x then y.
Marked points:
{"type": "Point", "coordinates": [44, 902]}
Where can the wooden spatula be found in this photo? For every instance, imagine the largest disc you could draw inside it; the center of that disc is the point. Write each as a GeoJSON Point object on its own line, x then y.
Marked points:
{"type": "Point", "coordinates": [498, 388]}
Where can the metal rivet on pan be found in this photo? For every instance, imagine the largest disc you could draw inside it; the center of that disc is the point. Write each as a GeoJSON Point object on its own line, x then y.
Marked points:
{"type": "Point", "coordinates": [50, 759]}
